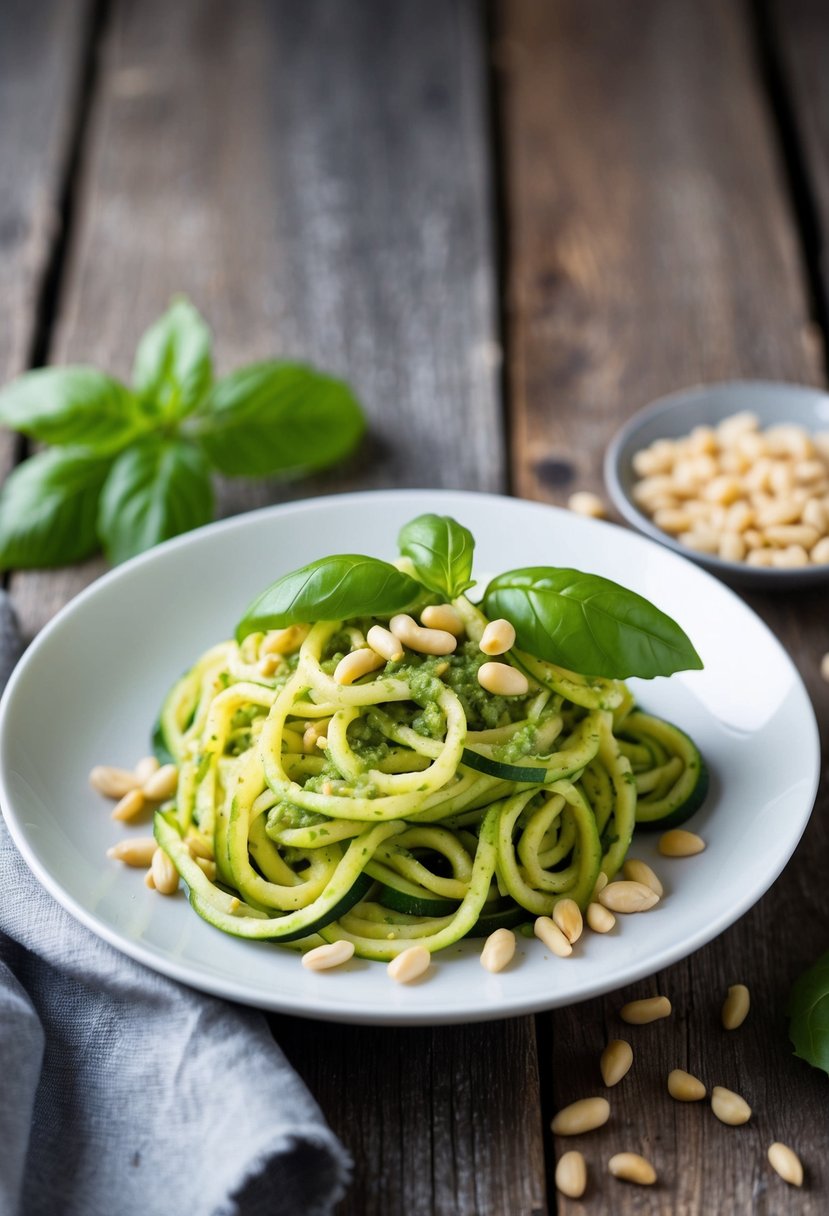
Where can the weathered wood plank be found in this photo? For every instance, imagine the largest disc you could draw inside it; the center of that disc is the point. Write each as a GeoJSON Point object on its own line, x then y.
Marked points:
{"type": "Point", "coordinates": [42, 49]}
{"type": "Point", "coordinates": [316, 178]}
{"type": "Point", "coordinates": [653, 246]}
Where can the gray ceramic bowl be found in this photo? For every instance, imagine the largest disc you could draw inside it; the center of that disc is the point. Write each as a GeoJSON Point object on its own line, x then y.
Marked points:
{"type": "Point", "coordinates": [708, 404]}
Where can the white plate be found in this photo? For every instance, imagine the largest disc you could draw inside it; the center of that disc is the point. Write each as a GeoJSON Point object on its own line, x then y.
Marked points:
{"type": "Point", "coordinates": [89, 688]}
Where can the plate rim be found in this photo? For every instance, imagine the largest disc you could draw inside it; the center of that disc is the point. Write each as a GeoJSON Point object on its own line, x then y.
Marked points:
{"type": "Point", "coordinates": [328, 1010]}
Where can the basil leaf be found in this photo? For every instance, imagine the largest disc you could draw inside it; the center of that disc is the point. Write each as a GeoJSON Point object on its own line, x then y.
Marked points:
{"type": "Point", "coordinates": [441, 550]}
{"type": "Point", "coordinates": [48, 508]}
{"type": "Point", "coordinates": [72, 405]}
{"type": "Point", "coordinates": [173, 369]}
{"type": "Point", "coordinates": [589, 624]}
{"type": "Point", "coordinates": [275, 418]}
{"type": "Point", "coordinates": [809, 1013]}
{"type": "Point", "coordinates": [331, 589]}
{"type": "Point", "coordinates": [156, 489]}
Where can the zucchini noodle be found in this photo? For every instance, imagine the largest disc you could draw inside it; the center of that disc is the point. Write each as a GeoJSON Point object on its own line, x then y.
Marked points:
{"type": "Point", "coordinates": [412, 806]}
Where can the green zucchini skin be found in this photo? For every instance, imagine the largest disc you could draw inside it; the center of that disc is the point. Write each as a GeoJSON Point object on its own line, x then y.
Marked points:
{"type": "Point", "coordinates": [526, 774]}
{"type": "Point", "coordinates": [509, 916]}
{"type": "Point", "coordinates": [688, 793]}
{"type": "Point", "coordinates": [400, 895]}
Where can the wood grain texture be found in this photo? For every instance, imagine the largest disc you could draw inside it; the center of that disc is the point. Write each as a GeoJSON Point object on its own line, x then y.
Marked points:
{"type": "Point", "coordinates": [653, 246]}
{"type": "Point", "coordinates": [41, 59]}
{"type": "Point", "coordinates": [316, 178]}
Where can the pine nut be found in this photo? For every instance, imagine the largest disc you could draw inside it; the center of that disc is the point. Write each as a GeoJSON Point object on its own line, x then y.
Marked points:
{"type": "Point", "coordinates": [601, 883]}
{"type": "Point", "coordinates": [729, 1107]}
{"type": "Point", "coordinates": [445, 617]}
{"type": "Point", "coordinates": [165, 874]}
{"type": "Point", "coordinates": [384, 643]}
{"type": "Point", "coordinates": [284, 641]}
{"type": "Point", "coordinates": [162, 785]}
{"type": "Point", "coordinates": [599, 918]}
{"type": "Point", "coordinates": [583, 1116]}
{"type": "Point", "coordinates": [615, 1061]}
{"type": "Point", "coordinates": [145, 768]}
{"type": "Point", "coordinates": [137, 851]}
{"type": "Point", "coordinates": [674, 520]}
{"type": "Point", "coordinates": [571, 1174]}
{"type": "Point", "coordinates": [815, 514]}
{"type": "Point", "coordinates": [630, 1167]}
{"type": "Point", "coordinates": [149, 881]}
{"type": "Point", "coordinates": [199, 846]}
{"type": "Point", "coordinates": [498, 637]}
{"type": "Point", "coordinates": [732, 547]}
{"type": "Point", "coordinates": [679, 843]}
{"type": "Point", "coordinates": [410, 964]}
{"type": "Point", "coordinates": [628, 897]}
{"type": "Point", "coordinates": [567, 915]}
{"type": "Point", "coordinates": [313, 735]}
{"type": "Point", "coordinates": [786, 1163]}
{"type": "Point", "coordinates": [701, 540]}
{"type": "Point", "coordinates": [332, 954]}
{"type": "Point", "coordinates": [549, 933]}
{"type": "Point", "coordinates": [820, 553]}
{"type": "Point", "coordinates": [357, 664]}
{"type": "Point", "coordinates": [112, 782]}
{"type": "Point", "coordinates": [642, 1013]}
{"type": "Point", "coordinates": [685, 1087]}
{"type": "Point", "coordinates": [129, 806]}
{"type": "Point", "coordinates": [269, 664]}
{"type": "Point", "coordinates": [792, 534]}
{"type": "Point", "coordinates": [640, 871]}
{"type": "Point", "coordinates": [736, 1006]}
{"type": "Point", "coordinates": [793, 557]}
{"type": "Point", "coordinates": [503, 680]}
{"type": "Point", "coordinates": [423, 641]}
{"type": "Point", "coordinates": [498, 950]}
{"type": "Point", "coordinates": [207, 867]}
{"type": "Point", "coordinates": [583, 502]}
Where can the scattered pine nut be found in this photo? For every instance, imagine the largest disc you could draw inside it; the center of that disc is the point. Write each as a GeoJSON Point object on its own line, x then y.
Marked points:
{"type": "Point", "coordinates": [628, 897]}
{"type": "Point", "coordinates": [137, 851]}
{"type": "Point", "coordinates": [145, 768]}
{"type": "Point", "coordinates": [583, 1116]}
{"type": "Point", "coordinates": [268, 665]}
{"type": "Point", "coordinates": [199, 846]}
{"type": "Point", "coordinates": [410, 964]}
{"type": "Point", "coordinates": [284, 641]}
{"type": "Point", "coordinates": [685, 1087]}
{"type": "Point", "coordinates": [357, 664]}
{"type": "Point", "coordinates": [786, 1163]}
{"type": "Point", "coordinates": [207, 867]}
{"type": "Point", "coordinates": [162, 785]}
{"type": "Point", "coordinates": [165, 874]}
{"type": "Point", "coordinates": [567, 915]}
{"type": "Point", "coordinates": [641, 1013]}
{"type": "Point", "coordinates": [599, 918]}
{"type": "Point", "coordinates": [583, 502]}
{"type": "Point", "coordinates": [547, 931]}
{"type": "Point", "coordinates": [149, 881]}
{"type": "Point", "coordinates": [601, 883]}
{"type": "Point", "coordinates": [112, 782]}
{"type": "Point", "coordinates": [498, 637]}
{"type": "Point", "coordinates": [131, 805]}
{"type": "Point", "coordinates": [679, 843]}
{"type": "Point", "coordinates": [736, 1006]}
{"type": "Point", "coordinates": [630, 1167]}
{"type": "Point", "coordinates": [498, 950]}
{"type": "Point", "coordinates": [503, 680]}
{"type": "Point", "coordinates": [640, 871]}
{"type": "Point", "coordinates": [383, 642]}
{"type": "Point", "coordinates": [419, 639]}
{"type": "Point", "coordinates": [332, 954]}
{"type": "Point", "coordinates": [445, 617]}
{"type": "Point", "coordinates": [729, 1107]}
{"type": "Point", "coordinates": [571, 1174]}
{"type": "Point", "coordinates": [615, 1061]}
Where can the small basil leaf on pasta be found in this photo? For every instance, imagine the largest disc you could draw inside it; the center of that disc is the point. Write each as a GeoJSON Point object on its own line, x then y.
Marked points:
{"type": "Point", "coordinates": [173, 368]}
{"type": "Point", "coordinates": [331, 589]}
{"type": "Point", "coordinates": [808, 1011]}
{"type": "Point", "coordinates": [276, 417]}
{"type": "Point", "coordinates": [49, 506]}
{"type": "Point", "coordinates": [589, 624]}
{"type": "Point", "coordinates": [72, 405]}
{"type": "Point", "coordinates": [156, 489]}
{"type": "Point", "coordinates": [441, 550]}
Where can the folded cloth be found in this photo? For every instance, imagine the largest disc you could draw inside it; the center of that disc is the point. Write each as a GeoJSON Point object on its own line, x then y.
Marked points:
{"type": "Point", "coordinates": [124, 1092]}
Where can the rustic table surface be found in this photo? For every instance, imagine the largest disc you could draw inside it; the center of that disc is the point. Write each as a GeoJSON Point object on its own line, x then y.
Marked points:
{"type": "Point", "coordinates": [509, 227]}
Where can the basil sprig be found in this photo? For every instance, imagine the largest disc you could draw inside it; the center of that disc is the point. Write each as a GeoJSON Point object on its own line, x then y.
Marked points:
{"type": "Point", "coordinates": [809, 1015]}
{"type": "Point", "coordinates": [133, 466]}
{"type": "Point", "coordinates": [331, 589]}
{"type": "Point", "coordinates": [589, 624]}
{"type": "Point", "coordinates": [441, 550]}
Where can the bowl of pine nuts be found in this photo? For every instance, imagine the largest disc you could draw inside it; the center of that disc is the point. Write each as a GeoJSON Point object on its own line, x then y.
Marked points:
{"type": "Point", "coordinates": [734, 476]}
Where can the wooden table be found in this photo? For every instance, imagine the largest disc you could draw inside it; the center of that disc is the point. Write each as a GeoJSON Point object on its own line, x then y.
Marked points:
{"type": "Point", "coordinates": [509, 228]}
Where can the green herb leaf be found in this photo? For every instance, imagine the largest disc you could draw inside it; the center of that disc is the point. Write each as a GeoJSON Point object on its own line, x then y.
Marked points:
{"type": "Point", "coordinates": [441, 550]}
{"type": "Point", "coordinates": [589, 624]}
{"type": "Point", "coordinates": [156, 489]}
{"type": "Point", "coordinates": [276, 418]}
{"type": "Point", "coordinates": [72, 405]}
{"type": "Point", "coordinates": [331, 589]}
{"type": "Point", "coordinates": [809, 1013]}
{"type": "Point", "coordinates": [173, 368]}
{"type": "Point", "coordinates": [48, 508]}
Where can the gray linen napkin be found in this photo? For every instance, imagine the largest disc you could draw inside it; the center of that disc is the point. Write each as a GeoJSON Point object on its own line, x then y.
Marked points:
{"type": "Point", "coordinates": [122, 1091]}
